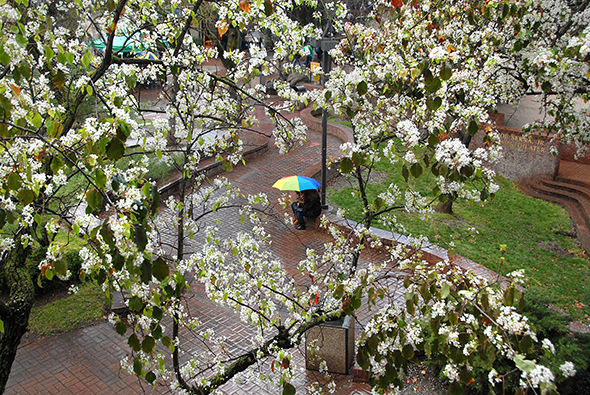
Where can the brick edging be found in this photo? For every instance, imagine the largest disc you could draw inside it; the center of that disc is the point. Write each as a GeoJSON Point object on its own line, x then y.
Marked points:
{"type": "Point", "coordinates": [257, 146]}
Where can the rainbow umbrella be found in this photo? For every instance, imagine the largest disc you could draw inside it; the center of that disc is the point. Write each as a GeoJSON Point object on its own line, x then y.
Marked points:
{"type": "Point", "coordinates": [296, 183]}
{"type": "Point", "coordinates": [148, 55]}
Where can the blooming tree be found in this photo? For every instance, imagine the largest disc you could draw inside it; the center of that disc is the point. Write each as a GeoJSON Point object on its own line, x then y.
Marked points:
{"type": "Point", "coordinates": [416, 84]}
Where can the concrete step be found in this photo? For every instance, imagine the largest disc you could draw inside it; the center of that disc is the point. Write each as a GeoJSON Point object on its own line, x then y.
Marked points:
{"type": "Point", "coordinates": [574, 173]}
{"type": "Point", "coordinates": [569, 202]}
{"type": "Point", "coordinates": [573, 181]}
{"type": "Point", "coordinates": [575, 193]}
{"type": "Point", "coordinates": [576, 188]}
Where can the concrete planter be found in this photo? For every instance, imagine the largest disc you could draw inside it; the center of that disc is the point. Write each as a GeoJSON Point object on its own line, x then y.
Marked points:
{"type": "Point", "coordinates": [332, 342]}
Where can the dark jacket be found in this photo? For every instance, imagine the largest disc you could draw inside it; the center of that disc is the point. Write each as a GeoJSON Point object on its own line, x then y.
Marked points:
{"type": "Point", "coordinates": [311, 205]}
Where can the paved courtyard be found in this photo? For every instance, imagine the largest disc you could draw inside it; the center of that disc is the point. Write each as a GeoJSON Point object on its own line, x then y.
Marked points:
{"type": "Point", "coordinates": [86, 361]}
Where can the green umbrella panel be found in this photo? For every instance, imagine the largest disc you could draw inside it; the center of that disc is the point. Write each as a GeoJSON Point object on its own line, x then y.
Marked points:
{"type": "Point", "coordinates": [120, 44]}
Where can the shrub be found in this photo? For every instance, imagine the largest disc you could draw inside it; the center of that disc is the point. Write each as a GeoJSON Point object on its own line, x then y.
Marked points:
{"type": "Point", "coordinates": [42, 284]}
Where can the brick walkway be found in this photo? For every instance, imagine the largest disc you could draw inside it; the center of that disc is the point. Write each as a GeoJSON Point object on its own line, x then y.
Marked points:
{"type": "Point", "coordinates": [86, 361]}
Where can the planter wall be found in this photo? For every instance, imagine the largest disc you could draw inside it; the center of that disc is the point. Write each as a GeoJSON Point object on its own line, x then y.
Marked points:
{"type": "Point", "coordinates": [332, 342]}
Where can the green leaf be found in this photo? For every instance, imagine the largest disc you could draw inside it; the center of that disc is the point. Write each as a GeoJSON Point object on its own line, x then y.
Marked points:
{"type": "Point", "coordinates": [123, 131]}
{"type": "Point", "coordinates": [56, 164]}
{"type": "Point", "coordinates": [484, 194]}
{"type": "Point", "coordinates": [102, 144]}
{"type": "Point", "coordinates": [157, 313]}
{"type": "Point", "coordinates": [59, 79]}
{"type": "Point", "coordinates": [346, 165]}
{"type": "Point", "coordinates": [473, 127]}
{"type": "Point", "coordinates": [505, 10]}
{"type": "Point", "coordinates": [445, 290]}
{"type": "Point", "coordinates": [424, 291]}
{"type": "Point", "coordinates": [86, 59]}
{"type": "Point", "coordinates": [155, 200]}
{"type": "Point", "coordinates": [150, 377]}
{"type": "Point", "coordinates": [140, 237]}
{"type": "Point", "coordinates": [453, 317]}
{"type": "Point", "coordinates": [226, 165]}
{"type": "Point", "coordinates": [416, 170]}
{"type": "Point", "coordinates": [268, 8]}
{"type": "Point", "coordinates": [160, 269]}
{"type": "Point", "coordinates": [25, 70]}
{"type": "Point", "coordinates": [94, 199]}
{"type": "Point", "coordinates": [4, 58]}
{"type": "Point", "coordinates": [148, 344]}
{"type": "Point", "coordinates": [146, 271]}
{"type": "Point", "coordinates": [14, 181]}
{"type": "Point", "coordinates": [328, 95]}
{"type": "Point", "coordinates": [100, 178]}
{"type": "Point", "coordinates": [60, 266]}
{"type": "Point", "coordinates": [49, 53]}
{"type": "Point", "coordinates": [433, 140]}
{"type": "Point", "coordinates": [25, 196]}
{"type": "Point", "coordinates": [485, 303]}
{"type": "Point", "coordinates": [131, 81]}
{"type": "Point", "coordinates": [525, 344]}
{"type": "Point", "coordinates": [350, 113]}
{"type": "Point", "coordinates": [433, 104]}
{"type": "Point", "coordinates": [428, 77]}
{"type": "Point", "coordinates": [121, 328]}
{"type": "Point", "coordinates": [524, 364]}
{"type": "Point", "coordinates": [135, 304]}
{"type": "Point", "coordinates": [362, 88]}
{"type": "Point", "coordinates": [134, 342]}
{"type": "Point", "coordinates": [362, 358]}
{"type": "Point", "coordinates": [410, 307]}
{"type": "Point", "coordinates": [37, 121]}
{"type": "Point", "coordinates": [1, 326]}
{"type": "Point", "coordinates": [116, 182]}
{"type": "Point", "coordinates": [456, 388]}
{"type": "Point", "coordinates": [434, 86]}
{"type": "Point", "coordinates": [408, 351]}
{"type": "Point", "coordinates": [509, 296]}
{"type": "Point", "coordinates": [70, 58]}
{"type": "Point", "coordinates": [115, 149]}
{"type": "Point", "coordinates": [339, 292]}
{"type": "Point", "coordinates": [357, 159]}
{"type": "Point", "coordinates": [21, 41]}
{"type": "Point", "coordinates": [288, 389]}
{"type": "Point", "coordinates": [405, 172]}
{"type": "Point", "coordinates": [137, 367]}
{"type": "Point", "coordinates": [446, 72]}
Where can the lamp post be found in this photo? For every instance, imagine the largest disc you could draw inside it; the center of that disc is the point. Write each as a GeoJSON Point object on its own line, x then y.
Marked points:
{"type": "Point", "coordinates": [326, 46]}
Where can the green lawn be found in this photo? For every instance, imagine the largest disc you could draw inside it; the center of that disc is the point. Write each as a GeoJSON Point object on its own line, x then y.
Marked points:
{"type": "Point", "coordinates": [72, 312]}
{"type": "Point", "coordinates": [534, 232]}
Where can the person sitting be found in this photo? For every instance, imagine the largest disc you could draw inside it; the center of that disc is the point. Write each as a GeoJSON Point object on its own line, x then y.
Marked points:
{"type": "Point", "coordinates": [308, 205]}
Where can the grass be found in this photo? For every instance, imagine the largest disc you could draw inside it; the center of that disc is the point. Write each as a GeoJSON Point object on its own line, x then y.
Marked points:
{"type": "Point", "coordinates": [78, 310]}
{"type": "Point", "coordinates": [534, 232]}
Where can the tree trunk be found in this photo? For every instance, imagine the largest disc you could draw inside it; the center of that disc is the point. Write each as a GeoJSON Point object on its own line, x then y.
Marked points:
{"type": "Point", "coordinates": [445, 207]}
{"type": "Point", "coordinates": [15, 313]}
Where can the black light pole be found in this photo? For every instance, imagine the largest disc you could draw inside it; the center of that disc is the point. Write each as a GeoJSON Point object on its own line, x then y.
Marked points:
{"type": "Point", "coordinates": [326, 46]}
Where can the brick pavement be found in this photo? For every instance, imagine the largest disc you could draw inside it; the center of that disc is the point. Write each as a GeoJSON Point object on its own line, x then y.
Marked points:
{"type": "Point", "coordinates": [86, 361]}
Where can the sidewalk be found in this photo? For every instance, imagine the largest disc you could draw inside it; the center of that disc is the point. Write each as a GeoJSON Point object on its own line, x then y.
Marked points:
{"type": "Point", "coordinates": [86, 361]}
